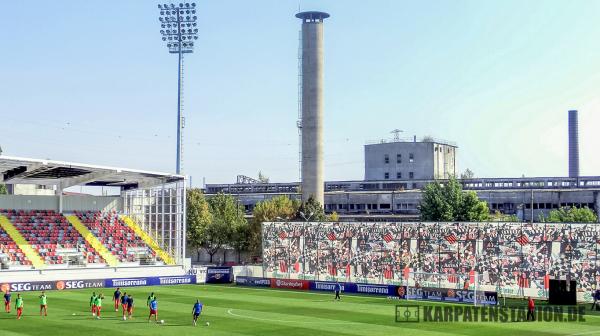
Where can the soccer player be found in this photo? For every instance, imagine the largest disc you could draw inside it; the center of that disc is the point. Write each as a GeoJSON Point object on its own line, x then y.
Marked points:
{"type": "Point", "coordinates": [124, 299]}
{"type": "Point", "coordinates": [150, 298]}
{"type": "Point", "coordinates": [117, 298]}
{"type": "Point", "coordinates": [531, 309]}
{"type": "Point", "coordinates": [197, 310]}
{"type": "Point", "coordinates": [98, 304]}
{"type": "Point", "coordinates": [19, 306]}
{"type": "Point", "coordinates": [93, 303]}
{"type": "Point", "coordinates": [43, 304]}
{"type": "Point", "coordinates": [130, 306]}
{"type": "Point", "coordinates": [153, 309]}
{"type": "Point", "coordinates": [596, 297]}
{"type": "Point", "coordinates": [7, 296]}
{"type": "Point", "coordinates": [338, 289]}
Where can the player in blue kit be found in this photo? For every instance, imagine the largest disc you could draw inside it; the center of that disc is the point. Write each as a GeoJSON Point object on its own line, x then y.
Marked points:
{"type": "Point", "coordinates": [117, 298]}
{"type": "Point", "coordinates": [153, 309]}
{"type": "Point", "coordinates": [197, 310]}
{"type": "Point", "coordinates": [7, 296]}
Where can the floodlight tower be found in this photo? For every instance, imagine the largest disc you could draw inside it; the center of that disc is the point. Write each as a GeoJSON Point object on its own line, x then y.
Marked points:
{"type": "Point", "coordinates": [178, 29]}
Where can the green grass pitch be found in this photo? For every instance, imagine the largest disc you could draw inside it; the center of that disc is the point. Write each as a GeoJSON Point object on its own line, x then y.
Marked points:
{"type": "Point", "coordinates": [235, 310]}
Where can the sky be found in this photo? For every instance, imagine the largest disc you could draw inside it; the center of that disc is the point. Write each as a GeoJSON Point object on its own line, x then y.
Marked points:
{"type": "Point", "coordinates": [92, 82]}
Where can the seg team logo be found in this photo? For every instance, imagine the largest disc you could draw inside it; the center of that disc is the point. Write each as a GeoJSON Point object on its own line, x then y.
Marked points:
{"type": "Point", "coordinates": [451, 293]}
{"type": "Point", "coordinates": [60, 285]}
{"type": "Point", "coordinates": [401, 291]}
{"type": "Point", "coordinates": [5, 287]}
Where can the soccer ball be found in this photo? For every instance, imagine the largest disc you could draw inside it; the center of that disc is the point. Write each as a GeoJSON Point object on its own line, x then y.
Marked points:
{"type": "Point", "coordinates": [207, 324]}
{"type": "Point", "coordinates": [162, 321]}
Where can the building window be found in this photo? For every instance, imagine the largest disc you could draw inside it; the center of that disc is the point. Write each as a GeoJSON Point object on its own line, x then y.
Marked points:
{"type": "Point", "coordinates": [386, 158]}
{"type": "Point", "coordinates": [411, 175]}
{"type": "Point", "coordinates": [399, 175]}
{"type": "Point", "coordinates": [399, 158]}
{"type": "Point", "coordinates": [386, 176]}
{"type": "Point", "coordinates": [411, 157]}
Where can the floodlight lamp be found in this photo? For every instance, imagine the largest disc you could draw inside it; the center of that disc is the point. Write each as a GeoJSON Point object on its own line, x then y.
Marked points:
{"type": "Point", "coordinates": [193, 11]}
{"type": "Point", "coordinates": [159, 6]}
{"type": "Point", "coordinates": [194, 17]}
{"type": "Point", "coordinates": [180, 5]}
{"type": "Point", "coordinates": [172, 6]}
{"type": "Point", "coordinates": [164, 38]}
{"type": "Point", "coordinates": [196, 30]}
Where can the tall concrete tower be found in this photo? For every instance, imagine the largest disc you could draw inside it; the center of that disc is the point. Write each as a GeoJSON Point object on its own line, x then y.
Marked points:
{"type": "Point", "coordinates": [573, 144]}
{"type": "Point", "coordinates": [312, 105]}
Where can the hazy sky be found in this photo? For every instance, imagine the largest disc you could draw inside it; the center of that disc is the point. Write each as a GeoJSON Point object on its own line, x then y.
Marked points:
{"type": "Point", "coordinates": [91, 81]}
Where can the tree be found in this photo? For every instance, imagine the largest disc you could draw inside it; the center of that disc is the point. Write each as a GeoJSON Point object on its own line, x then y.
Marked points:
{"type": "Point", "coordinates": [450, 203]}
{"type": "Point", "coordinates": [427, 138]}
{"type": "Point", "coordinates": [467, 174]}
{"type": "Point", "coordinates": [262, 178]}
{"type": "Point", "coordinates": [227, 215]}
{"type": "Point", "coordinates": [240, 238]}
{"type": "Point", "coordinates": [198, 218]}
{"type": "Point", "coordinates": [334, 217]}
{"type": "Point", "coordinates": [498, 216]}
{"type": "Point", "coordinates": [3, 190]}
{"type": "Point", "coordinates": [276, 208]}
{"type": "Point", "coordinates": [311, 210]}
{"type": "Point", "coordinates": [571, 215]}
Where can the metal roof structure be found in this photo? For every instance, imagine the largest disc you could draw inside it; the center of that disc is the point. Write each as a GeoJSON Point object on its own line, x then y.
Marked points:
{"type": "Point", "coordinates": [17, 170]}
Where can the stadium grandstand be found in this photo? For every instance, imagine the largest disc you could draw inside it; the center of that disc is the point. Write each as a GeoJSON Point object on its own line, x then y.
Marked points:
{"type": "Point", "coordinates": [117, 218]}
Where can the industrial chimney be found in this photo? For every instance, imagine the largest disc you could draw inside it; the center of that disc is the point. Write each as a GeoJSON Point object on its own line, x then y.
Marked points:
{"type": "Point", "coordinates": [312, 105]}
{"type": "Point", "coordinates": [573, 144]}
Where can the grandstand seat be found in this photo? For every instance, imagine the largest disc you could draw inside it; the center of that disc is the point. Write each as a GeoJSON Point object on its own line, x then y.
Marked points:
{"type": "Point", "coordinates": [118, 238]}
{"type": "Point", "coordinates": [47, 231]}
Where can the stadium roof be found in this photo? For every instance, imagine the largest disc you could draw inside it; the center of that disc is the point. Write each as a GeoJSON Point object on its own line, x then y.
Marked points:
{"type": "Point", "coordinates": [17, 170]}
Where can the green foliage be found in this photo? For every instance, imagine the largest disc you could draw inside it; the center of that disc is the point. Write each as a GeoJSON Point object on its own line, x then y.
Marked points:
{"type": "Point", "coordinates": [498, 216]}
{"type": "Point", "coordinates": [227, 216]}
{"type": "Point", "coordinates": [3, 190]}
{"type": "Point", "coordinates": [467, 174]}
{"type": "Point", "coordinates": [214, 223]}
{"type": "Point", "coordinates": [198, 218]}
{"type": "Point", "coordinates": [312, 210]}
{"type": "Point", "coordinates": [334, 217]}
{"type": "Point", "coordinates": [268, 211]}
{"type": "Point", "coordinates": [450, 203]}
{"type": "Point", "coordinates": [571, 215]}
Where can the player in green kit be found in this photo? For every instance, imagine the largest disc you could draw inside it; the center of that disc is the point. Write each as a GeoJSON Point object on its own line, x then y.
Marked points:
{"type": "Point", "coordinates": [98, 304]}
{"type": "Point", "coordinates": [93, 303]}
{"type": "Point", "coordinates": [43, 304]}
{"type": "Point", "coordinates": [19, 306]}
{"type": "Point", "coordinates": [150, 299]}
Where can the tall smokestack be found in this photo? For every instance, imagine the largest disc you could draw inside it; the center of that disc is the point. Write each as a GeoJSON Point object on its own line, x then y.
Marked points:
{"type": "Point", "coordinates": [312, 105]}
{"type": "Point", "coordinates": [573, 144]}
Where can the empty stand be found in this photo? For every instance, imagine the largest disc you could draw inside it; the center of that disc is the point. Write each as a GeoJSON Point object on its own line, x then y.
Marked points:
{"type": "Point", "coordinates": [51, 235]}
{"type": "Point", "coordinates": [12, 251]}
{"type": "Point", "coordinates": [118, 238]}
